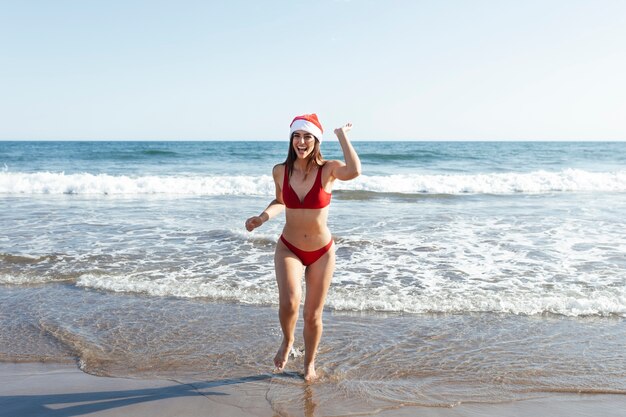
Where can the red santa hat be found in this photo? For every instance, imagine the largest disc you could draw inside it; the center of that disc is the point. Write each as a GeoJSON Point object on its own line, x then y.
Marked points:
{"type": "Point", "coordinates": [309, 123]}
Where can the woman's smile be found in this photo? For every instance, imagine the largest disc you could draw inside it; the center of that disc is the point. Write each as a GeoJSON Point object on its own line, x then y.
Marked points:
{"type": "Point", "coordinates": [302, 150]}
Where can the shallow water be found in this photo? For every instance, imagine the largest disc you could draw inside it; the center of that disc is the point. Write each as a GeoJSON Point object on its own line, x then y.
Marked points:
{"type": "Point", "coordinates": [370, 358]}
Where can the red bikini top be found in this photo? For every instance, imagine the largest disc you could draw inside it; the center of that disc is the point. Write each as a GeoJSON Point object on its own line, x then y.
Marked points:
{"type": "Point", "coordinates": [316, 198]}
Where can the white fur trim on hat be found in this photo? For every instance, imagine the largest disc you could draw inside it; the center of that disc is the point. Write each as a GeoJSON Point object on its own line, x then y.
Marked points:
{"type": "Point", "coordinates": [301, 124]}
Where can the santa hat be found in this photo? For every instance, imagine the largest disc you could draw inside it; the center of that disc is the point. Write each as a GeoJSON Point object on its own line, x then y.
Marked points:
{"type": "Point", "coordinates": [309, 123]}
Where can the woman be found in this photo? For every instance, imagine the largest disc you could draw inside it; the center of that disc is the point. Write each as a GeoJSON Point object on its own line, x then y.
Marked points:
{"type": "Point", "coordinates": [303, 187]}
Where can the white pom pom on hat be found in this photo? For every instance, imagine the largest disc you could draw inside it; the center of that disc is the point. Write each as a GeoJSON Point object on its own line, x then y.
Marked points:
{"type": "Point", "coordinates": [308, 123]}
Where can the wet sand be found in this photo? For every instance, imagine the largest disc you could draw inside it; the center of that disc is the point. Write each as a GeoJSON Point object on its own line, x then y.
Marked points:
{"type": "Point", "coordinates": [63, 390]}
{"type": "Point", "coordinates": [38, 389]}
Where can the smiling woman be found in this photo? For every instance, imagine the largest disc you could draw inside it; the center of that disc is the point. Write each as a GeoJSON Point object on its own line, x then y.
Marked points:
{"type": "Point", "coordinates": [306, 242]}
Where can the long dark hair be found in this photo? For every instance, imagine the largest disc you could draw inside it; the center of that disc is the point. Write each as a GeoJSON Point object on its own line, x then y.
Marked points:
{"type": "Point", "coordinates": [315, 157]}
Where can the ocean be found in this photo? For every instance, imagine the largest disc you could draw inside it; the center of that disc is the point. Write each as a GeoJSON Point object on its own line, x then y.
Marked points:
{"type": "Point", "coordinates": [466, 271]}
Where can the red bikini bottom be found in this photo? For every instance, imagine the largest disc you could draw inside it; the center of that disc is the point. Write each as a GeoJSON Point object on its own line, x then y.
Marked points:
{"type": "Point", "coordinates": [305, 256]}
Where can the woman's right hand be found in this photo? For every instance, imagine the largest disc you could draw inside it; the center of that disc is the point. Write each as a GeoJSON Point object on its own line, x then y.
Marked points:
{"type": "Point", "coordinates": [253, 222]}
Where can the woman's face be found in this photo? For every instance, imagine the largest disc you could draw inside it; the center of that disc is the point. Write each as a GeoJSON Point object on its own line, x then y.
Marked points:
{"type": "Point", "coordinates": [303, 143]}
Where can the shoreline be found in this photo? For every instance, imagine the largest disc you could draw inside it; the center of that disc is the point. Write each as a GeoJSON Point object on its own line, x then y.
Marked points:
{"type": "Point", "coordinates": [36, 389]}
{"type": "Point", "coordinates": [381, 363]}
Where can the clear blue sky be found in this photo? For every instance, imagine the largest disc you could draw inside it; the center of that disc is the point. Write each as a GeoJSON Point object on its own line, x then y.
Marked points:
{"type": "Point", "coordinates": [421, 70]}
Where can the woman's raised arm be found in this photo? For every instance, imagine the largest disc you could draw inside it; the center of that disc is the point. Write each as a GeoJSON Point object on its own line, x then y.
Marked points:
{"type": "Point", "coordinates": [352, 166]}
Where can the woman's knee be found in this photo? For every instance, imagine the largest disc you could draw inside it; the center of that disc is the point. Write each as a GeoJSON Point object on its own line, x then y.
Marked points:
{"type": "Point", "coordinates": [312, 317]}
{"type": "Point", "coordinates": [289, 305]}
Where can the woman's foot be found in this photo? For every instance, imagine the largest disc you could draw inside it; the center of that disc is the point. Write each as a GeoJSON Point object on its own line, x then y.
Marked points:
{"type": "Point", "coordinates": [280, 360]}
{"type": "Point", "coordinates": [309, 373]}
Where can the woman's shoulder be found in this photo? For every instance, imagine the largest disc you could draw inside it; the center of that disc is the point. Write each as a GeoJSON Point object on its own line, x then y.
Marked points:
{"type": "Point", "coordinates": [329, 168]}
{"type": "Point", "coordinates": [278, 170]}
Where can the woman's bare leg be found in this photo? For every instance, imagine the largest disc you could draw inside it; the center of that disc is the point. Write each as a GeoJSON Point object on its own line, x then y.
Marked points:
{"type": "Point", "coordinates": [318, 276]}
{"type": "Point", "coordinates": [289, 279]}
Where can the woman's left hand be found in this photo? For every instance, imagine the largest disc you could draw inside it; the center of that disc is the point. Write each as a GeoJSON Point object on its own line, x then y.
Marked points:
{"type": "Point", "coordinates": [341, 131]}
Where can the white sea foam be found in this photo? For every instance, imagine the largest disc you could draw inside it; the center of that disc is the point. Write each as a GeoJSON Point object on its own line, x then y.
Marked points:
{"type": "Point", "coordinates": [568, 180]}
{"type": "Point", "coordinates": [176, 285]}
{"type": "Point", "coordinates": [21, 279]}
{"type": "Point", "coordinates": [104, 184]}
{"type": "Point", "coordinates": [494, 183]}
{"type": "Point", "coordinates": [464, 298]}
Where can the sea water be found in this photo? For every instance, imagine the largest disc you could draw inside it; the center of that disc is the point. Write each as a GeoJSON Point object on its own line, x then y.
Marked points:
{"type": "Point", "coordinates": [465, 270]}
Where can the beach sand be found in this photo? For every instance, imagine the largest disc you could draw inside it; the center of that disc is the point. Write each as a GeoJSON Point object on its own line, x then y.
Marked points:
{"type": "Point", "coordinates": [40, 389]}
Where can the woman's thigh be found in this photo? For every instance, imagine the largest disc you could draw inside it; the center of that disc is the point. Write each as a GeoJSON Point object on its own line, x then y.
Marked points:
{"type": "Point", "coordinates": [318, 277]}
{"type": "Point", "coordinates": [288, 274]}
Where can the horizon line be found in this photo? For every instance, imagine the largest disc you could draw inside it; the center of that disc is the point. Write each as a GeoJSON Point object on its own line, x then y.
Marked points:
{"type": "Point", "coordinates": [327, 141]}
